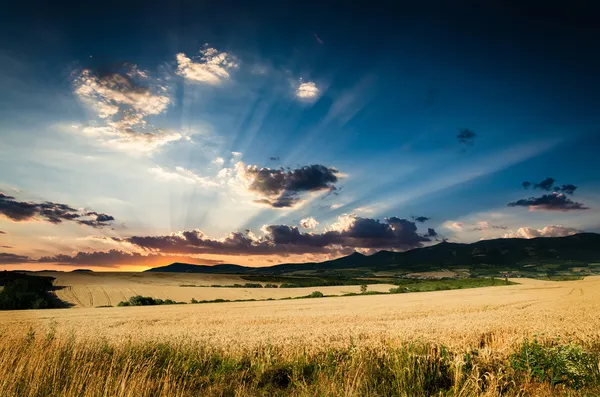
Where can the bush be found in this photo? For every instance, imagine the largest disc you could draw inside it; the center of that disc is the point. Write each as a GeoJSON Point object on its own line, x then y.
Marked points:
{"type": "Point", "coordinates": [139, 300]}
{"type": "Point", "coordinates": [23, 291]}
{"type": "Point", "coordinates": [271, 285]}
{"type": "Point", "coordinates": [564, 364]}
{"type": "Point", "coordinates": [315, 294]}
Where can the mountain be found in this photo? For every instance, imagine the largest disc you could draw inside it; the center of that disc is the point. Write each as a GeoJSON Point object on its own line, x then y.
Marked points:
{"type": "Point", "coordinates": [543, 254]}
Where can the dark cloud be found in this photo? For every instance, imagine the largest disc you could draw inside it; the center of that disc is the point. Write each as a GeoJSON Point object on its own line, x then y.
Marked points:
{"type": "Point", "coordinates": [431, 232]}
{"type": "Point", "coordinates": [549, 202]}
{"type": "Point", "coordinates": [11, 259]}
{"type": "Point", "coordinates": [115, 258]}
{"type": "Point", "coordinates": [282, 188]}
{"type": "Point", "coordinates": [274, 158]}
{"type": "Point", "coordinates": [421, 219]}
{"type": "Point", "coordinates": [5, 246]}
{"type": "Point", "coordinates": [392, 233]}
{"type": "Point", "coordinates": [1, 232]}
{"type": "Point", "coordinates": [466, 136]}
{"type": "Point", "coordinates": [23, 211]}
{"type": "Point", "coordinates": [548, 185]}
{"type": "Point", "coordinates": [568, 189]}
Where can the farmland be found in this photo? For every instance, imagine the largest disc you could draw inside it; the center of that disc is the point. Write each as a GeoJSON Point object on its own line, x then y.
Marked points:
{"type": "Point", "coordinates": [108, 289]}
{"type": "Point", "coordinates": [489, 326]}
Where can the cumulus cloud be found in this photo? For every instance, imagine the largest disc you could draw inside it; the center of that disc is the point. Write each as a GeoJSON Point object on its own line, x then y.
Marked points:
{"type": "Point", "coordinates": [211, 67]}
{"type": "Point", "coordinates": [309, 223]}
{"type": "Point", "coordinates": [349, 233]}
{"type": "Point", "coordinates": [123, 97]}
{"type": "Point", "coordinates": [307, 90]}
{"type": "Point", "coordinates": [549, 202]}
{"type": "Point", "coordinates": [548, 231]}
{"type": "Point", "coordinates": [280, 188]}
{"type": "Point", "coordinates": [47, 211]}
{"type": "Point", "coordinates": [181, 175]}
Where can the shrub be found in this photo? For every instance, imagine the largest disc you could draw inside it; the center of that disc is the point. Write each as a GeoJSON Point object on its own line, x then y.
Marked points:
{"type": "Point", "coordinates": [139, 300]}
{"type": "Point", "coordinates": [565, 364]}
{"type": "Point", "coordinates": [315, 294]}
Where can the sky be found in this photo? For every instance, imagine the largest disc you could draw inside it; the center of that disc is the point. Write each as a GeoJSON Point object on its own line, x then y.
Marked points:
{"type": "Point", "coordinates": [135, 135]}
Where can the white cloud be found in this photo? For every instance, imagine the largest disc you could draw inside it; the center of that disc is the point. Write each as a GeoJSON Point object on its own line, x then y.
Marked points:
{"type": "Point", "coordinates": [307, 90]}
{"type": "Point", "coordinates": [181, 175]}
{"type": "Point", "coordinates": [130, 141]}
{"type": "Point", "coordinates": [344, 222]}
{"type": "Point", "coordinates": [309, 223]}
{"type": "Point", "coordinates": [336, 206]}
{"type": "Point", "coordinates": [212, 67]}
{"type": "Point", "coordinates": [122, 100]}
{"type": "Point", "coordinates": [219, 161]}
{"type": "Point", "coordinates": [454, 226]}
{"type": "Point", "coordinates": [548, 231]}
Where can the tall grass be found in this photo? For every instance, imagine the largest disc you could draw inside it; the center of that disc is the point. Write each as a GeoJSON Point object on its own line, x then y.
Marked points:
{"type": "Point", "coordinates": [60, 365]}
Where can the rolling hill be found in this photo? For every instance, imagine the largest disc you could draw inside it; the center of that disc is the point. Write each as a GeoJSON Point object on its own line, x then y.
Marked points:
{"type": "Point", "coordinates": [530, 257]}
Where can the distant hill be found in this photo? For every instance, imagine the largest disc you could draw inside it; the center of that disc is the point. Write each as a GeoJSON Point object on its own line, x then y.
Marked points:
{"type": "Point", "coordinates": [548, 255]}
{"type": "Point", "coordinates": [82, 271]}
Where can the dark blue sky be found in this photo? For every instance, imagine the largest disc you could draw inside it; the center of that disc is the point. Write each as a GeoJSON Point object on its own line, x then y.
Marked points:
{"type": "Point", "coordinates": [162, 114]}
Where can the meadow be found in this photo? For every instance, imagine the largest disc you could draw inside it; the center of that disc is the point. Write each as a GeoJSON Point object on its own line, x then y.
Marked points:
{"type": "Point", "coordinates": [535, 338]}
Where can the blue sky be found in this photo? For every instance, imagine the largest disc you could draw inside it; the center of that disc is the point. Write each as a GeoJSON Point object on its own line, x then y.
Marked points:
{"type": "Point", "coordinates": [223, 133]}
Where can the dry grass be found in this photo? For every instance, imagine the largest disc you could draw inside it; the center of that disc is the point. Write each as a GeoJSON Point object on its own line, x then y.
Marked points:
{"type": "Point", "coordinates": [366, 337]}
{"type": "Point", "coordinates": [108, 289]}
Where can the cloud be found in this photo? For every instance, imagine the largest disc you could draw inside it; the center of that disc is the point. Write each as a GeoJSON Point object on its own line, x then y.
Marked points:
{"type": "Point", "coordinates": [309, 223]}
{"type": "Point", "coordinates": [274, 158]}
{"type": "Point", "coordinates": [336, 206]}
{"type": "Point", "coordinates": [25, 211]}
{"type": "Point", "coordinates": [219, 161]}
{"type": "Point", "coordinates": [318, 39]}
{"type": "Point", "coordinates": [115, 258]}
{"type": "Point", "coordinates": [549, 202]}
{"type": "Point", "coordinates": [466, 136]}
{"type": "Point", "coordinates": [548, 185]}
{"type": "Point", "coordinates": [211, 67]}
{"type": "Point", "coordinates": [181, 175]}
{"type": "Point", "coordinates": [11, 259]}
{"type": "Point", "coordinates": [123, 97]}
{"type": "Point", "coordinates": [1, 232]}
{"type": "Point", "coordinates": [471, 227]}
{"type": "Point", "coordinates": [307, 90]}
{"type": "Point", "coordinates": [349, 233]}
{"type": "Point", "coordinates": [431, 232]}
{"type": "Point", "coordinates": [421, 219]}
{"type": "Point", "coordinates": [548, 231]}
{"type": "Point", "coordinates": [281, 188]}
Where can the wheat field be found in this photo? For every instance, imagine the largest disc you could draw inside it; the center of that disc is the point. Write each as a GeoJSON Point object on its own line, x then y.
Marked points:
{"type": "Point", "coordinates": [87, 289]}
{"type": "Point", "coordinates": [472, 342]}
{"type": "Point", "coordinates": [456, 318]}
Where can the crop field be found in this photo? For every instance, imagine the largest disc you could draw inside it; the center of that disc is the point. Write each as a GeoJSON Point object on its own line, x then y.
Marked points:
{"type": "Point", "coordinates": [463, 342]}
{"type": "Point", "coordinates": [108, 289]}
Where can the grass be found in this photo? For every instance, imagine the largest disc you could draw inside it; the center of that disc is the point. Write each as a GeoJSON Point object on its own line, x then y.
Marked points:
{"type": "Point", "coordinates": [409, 285]}
{"type": "Point", "coordinates": [62, 366]}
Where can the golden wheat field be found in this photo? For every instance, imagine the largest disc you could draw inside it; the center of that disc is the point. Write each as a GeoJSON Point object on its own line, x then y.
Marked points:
{"type": "Point", "coordinates": [458, 318]}
{"type": "Point", "coordinates": [108, 289]}
{"type": "Point", "coordinates": [470, 342]}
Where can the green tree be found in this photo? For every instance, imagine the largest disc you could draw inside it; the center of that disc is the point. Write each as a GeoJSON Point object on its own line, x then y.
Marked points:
{"type": "Point", "coordinates": [363, 289]}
